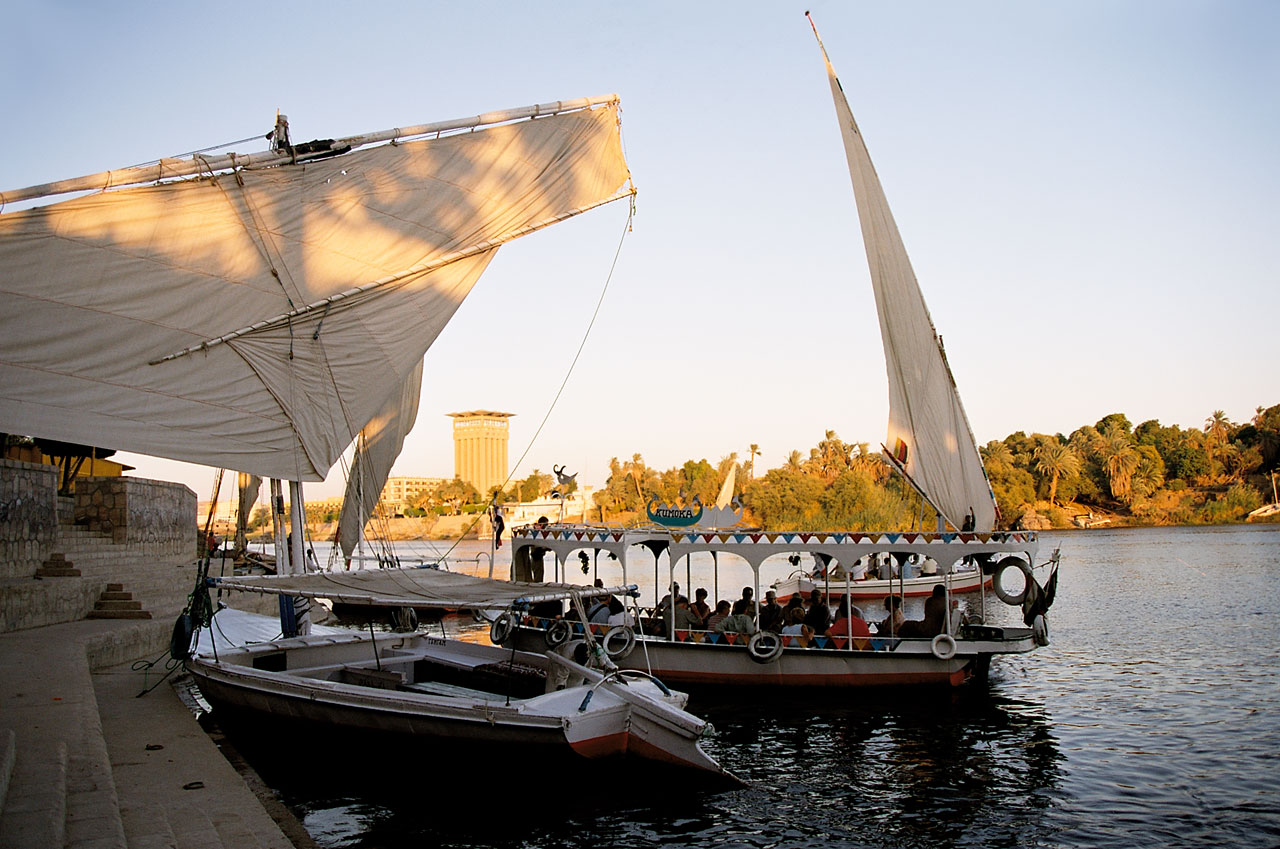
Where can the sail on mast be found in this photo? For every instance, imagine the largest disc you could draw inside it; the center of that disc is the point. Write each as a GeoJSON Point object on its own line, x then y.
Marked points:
{"type": "Point", "coordinates": [929, 438]}
{"type": "Point", "coordinates": [376, 453]}
{"type": "Point", "coordinates": [297, 296]}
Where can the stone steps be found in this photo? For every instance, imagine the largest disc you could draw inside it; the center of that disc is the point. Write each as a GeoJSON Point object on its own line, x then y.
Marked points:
{"type": "Point", "coordinates": [115, 603]}
{"type": "Point", "coordinates": [35, 808]}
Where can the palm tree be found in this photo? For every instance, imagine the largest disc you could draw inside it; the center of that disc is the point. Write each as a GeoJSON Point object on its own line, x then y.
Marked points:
{"type": "Point", "coordinates": [1055, 460]}
{"type": "Point", "coordinates": [795, 461]}
{"type": "Point", "coordinates": [753, 451]}
{"type": "Point", "coordinates": [1217, 427]}
{"type": "Point", "coordinates": [996, 453]}
{"type": "Point", "coordinates": [1119, 461]}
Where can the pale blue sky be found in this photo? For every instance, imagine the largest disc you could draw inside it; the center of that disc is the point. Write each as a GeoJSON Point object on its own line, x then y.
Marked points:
{"type": "Point", "coordinates": [1088, 190]}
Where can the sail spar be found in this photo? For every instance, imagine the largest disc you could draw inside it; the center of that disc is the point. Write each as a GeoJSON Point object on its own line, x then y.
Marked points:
{"type": "Point", "coordinates": [929, 437]}
{"type": "Point", "coordinates": [257, 317]}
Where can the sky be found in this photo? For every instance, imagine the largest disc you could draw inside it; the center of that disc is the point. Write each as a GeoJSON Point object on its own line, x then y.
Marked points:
{"type": "Point", "coordinates": [1089, 193]}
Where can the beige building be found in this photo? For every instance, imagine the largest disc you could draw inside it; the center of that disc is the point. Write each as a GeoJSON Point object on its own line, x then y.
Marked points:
{"type": "Point", "coordinates": [400, 492]}
{"type": "Point", "coordinates": [480, 448]}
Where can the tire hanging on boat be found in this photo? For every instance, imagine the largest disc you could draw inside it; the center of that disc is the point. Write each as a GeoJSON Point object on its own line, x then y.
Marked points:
{"type": "Point", "coordinates": [611, 637]}
{"type": "Point", "coordinates": [501, 628]}
{"type": "Point", "coordinates": [997, 583]}
{"type": "Point", "coordinates": [764, 647]}
{"type": "Point", "coordinates": [559, 633]}
{"type": "Point", "coordinates": [404, 619]}
{"type": "Point", "coordinates": [944, 647]}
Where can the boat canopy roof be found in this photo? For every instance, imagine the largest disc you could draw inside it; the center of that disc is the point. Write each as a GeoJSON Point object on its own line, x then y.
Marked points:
{"type": "Point", "coordinates": [755, 545]}
{"type": "Point", "coordinates": [421, 586]}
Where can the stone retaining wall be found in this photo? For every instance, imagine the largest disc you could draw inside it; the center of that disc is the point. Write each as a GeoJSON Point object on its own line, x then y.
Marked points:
{"type": "Point", "coordinates": [156, 517]}
{"type": "Point", "coordinates": [28, 516]}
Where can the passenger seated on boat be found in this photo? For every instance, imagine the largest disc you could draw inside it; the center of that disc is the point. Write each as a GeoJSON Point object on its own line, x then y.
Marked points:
{"type": "Point", "coordinates": [739, 621]}
{"type": "Point", "coordinates": [892, 623]}
{"type": "Point", "coordinates": [849, 623]}
{"type": "Point", "coordinates": [747, 601]}
{"type": "Point", "coordinates": [771, 613]}
{"type": "Point", "coordinates": [598, 613]}
{"type": "Point", "coordinates": [795, 626]}
{"type": "Point", "coordinates": [928, 566]}
{"type": "Point", "coordinates": [818, 617]}
{"type": "Point", "coordinates": [860, 569]}
{"type": "Point", "coordinates": [664, 606]}
{"type": "Point", "coordinates": [618, 614]}
{"type": "Point", "coordinates": [685, 619]}
{"type": "Point", "coordinates": [935, 612]}
{"type": "Point", "coordinates": [700, 608]}
{"type": "Point", "coordinates": [722, 613]}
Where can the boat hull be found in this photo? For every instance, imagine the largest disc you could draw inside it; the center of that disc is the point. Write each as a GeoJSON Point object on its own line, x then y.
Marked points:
{"type": "Point", "coordinates": [697, 660]}
{"type": "Point", "coordinates": [336, 683]}
{"type": "Point", "coordinates": [960, 582]}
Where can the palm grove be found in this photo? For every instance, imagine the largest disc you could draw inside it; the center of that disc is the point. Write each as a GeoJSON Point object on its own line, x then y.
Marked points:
{"type": "Point", "coordinates": [1149, 474]}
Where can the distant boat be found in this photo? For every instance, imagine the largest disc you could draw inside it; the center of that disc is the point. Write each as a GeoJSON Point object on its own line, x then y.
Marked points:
{"type": "Point", "coordinates": [933, 448]}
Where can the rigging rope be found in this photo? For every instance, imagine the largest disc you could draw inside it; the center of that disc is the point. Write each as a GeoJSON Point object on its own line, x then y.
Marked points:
{"type": "Point", "coordinates": [631, 212]}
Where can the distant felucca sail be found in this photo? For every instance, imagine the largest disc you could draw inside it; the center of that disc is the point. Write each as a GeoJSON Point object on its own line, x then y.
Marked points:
{"type": "Point", "coordinates": [929, 438]}
{"type": "Point", "coordinates": [256, 312]}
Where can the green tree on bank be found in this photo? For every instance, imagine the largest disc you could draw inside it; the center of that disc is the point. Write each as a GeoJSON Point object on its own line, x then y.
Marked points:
{"type": "Point", "coordinates": [1148, 474]}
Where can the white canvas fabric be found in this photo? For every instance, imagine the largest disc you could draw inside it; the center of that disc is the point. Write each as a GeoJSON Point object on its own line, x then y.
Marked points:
{"type": "Point", "coordinates": [376, 453]}
{"type": "Point", "coordinates": [425, 587]}
{"type": "Point", "coordinates": [925, 412]}
{"type": "Point", "coordinates": [100, 287]}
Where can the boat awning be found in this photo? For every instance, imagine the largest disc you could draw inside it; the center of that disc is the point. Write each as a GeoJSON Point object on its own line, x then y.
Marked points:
{"type": "Point", "coordinates": [413, 587]}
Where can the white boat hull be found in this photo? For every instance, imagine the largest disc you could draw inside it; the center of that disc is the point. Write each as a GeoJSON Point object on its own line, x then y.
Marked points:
{"type": "Point", "coordinates": [335, 681]}
{"type": "Point", "coordinates": [708, 659]}
{"type": "Point", "coordinates": [960, 582]}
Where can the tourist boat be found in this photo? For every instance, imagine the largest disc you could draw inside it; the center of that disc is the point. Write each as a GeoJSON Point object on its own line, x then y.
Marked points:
{"type": "Point", "coordinates": [418, 688]}
{"type": "Point", "coordinates": [933, 448]}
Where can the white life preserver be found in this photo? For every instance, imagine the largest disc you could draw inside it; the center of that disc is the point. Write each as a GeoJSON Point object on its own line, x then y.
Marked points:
{"type": "Point", "coordinates": [944, 647]}
{"type": "Point", "coordinates": [501, 628]}
{"type": "Point", "coordinates": [618, 652]}
{"type": "Point", "coordinates": [1040, 630]}
{"type": "Point", "coordinates": [559, 633]}
{"type": "Point", "coordinates": [998, 585]}
{"type": "Point", "coordinates": [764, 647]}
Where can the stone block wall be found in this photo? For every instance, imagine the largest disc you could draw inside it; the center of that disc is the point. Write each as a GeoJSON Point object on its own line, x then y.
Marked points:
{"type": "Point", "coordinates": [28, 516]}
{"type": "Point", "coordinates": [156, 517]}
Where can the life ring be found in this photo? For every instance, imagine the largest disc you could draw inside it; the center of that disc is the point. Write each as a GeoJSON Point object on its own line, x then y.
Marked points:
{"type": "Point", "coordinates": [1040, 630]}
{"type": "Point", "coordinates": [944, 647]}
{"type": "Point", "coordinates": [764, 647]}
{"type": "Point", "coordinates": [559, 633]}
{"type": "Point", "coordinates": [404, 619]}
{"type": "Point", "coordinates": [998, 582]}
{"type": "Point", "coordinates": [501, 628]}
{"type": "Point", "coordinates": [611, 637]}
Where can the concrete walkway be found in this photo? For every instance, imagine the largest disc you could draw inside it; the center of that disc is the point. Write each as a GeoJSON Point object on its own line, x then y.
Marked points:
{"type": "Point", "coordinates": [85, 764]}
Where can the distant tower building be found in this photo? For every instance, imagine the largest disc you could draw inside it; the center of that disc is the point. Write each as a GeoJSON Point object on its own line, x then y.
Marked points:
{"type": "Point", "coordinates": [480, 448]}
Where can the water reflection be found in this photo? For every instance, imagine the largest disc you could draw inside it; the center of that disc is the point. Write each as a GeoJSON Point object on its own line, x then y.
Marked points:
{"type": "Point", "coordinates": [895, 770]}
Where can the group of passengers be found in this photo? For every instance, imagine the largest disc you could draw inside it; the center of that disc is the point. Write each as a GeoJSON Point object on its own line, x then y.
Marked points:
{"type": "Point", "coordinates": [798, 619]}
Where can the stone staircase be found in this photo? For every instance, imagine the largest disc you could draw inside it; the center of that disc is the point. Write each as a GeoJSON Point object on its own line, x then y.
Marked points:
{"type": "Point", "coordinates": [74, 773]}
{"type": "Point", "coordinates": [115, 603]}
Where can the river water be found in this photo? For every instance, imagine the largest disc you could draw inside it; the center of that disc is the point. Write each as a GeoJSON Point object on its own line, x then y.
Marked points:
{"type": "Point", "coordinates": [1153, 719]}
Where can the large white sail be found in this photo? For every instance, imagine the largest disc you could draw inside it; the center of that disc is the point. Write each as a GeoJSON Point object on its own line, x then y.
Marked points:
{"type": "Point", "coordinates": [298, 297]}
{"type": "Point", "coordinates": [376, 452]}
{"type": "Point", "coordinates": [929, 435]}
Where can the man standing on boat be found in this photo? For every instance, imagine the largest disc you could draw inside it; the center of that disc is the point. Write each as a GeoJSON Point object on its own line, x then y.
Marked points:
{"type": "Point", "coordinates": [537, 554]}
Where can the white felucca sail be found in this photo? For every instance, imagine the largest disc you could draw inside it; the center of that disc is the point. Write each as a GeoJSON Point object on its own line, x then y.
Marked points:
{"type": "Point", "coordinates": [929, 437]}
{"type": "Point", "coordinates": [376, 451]}
{"type": "Point", "coordinates": [256, 314]}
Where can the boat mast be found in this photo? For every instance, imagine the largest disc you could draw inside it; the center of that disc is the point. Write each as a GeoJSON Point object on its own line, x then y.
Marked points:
{"type": "Point", "coordinates": [301, 606]}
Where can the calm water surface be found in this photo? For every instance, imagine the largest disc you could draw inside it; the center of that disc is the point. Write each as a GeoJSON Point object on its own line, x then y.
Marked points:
{"type": "Point", "coordinates": [1152, 720]}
